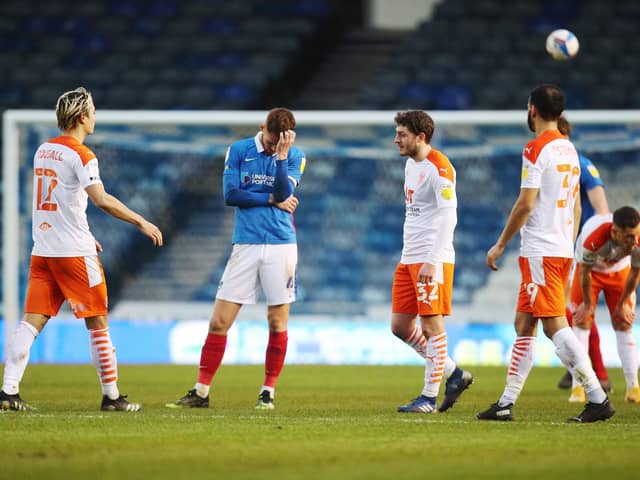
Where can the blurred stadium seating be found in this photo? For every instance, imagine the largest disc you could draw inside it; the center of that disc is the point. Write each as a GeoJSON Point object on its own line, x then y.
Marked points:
{"type": "Point", "coordinates": [210, 54]}
{"type": "Point", "coordinates": [487, 54]}
{"type": "Point", "coordinates": [201, 54]}
{"type": "Point", "coordinates": [150, 53]}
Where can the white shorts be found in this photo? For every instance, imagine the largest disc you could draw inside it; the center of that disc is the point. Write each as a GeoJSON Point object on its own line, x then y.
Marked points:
{"type": "Point", "coordinates": [272, 267]}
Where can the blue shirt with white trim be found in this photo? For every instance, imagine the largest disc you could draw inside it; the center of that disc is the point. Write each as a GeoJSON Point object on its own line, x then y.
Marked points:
{"type": "Point", "coordinates": [250, 176]}
{"type": "Point", "coordinates": [589, 179]}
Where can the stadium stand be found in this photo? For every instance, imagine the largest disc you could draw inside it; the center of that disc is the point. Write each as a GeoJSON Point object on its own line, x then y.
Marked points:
{"type": "Point", "coordinates": [465, 55]}
{"type": "Point", "coordinates": [170, 54]}
{"type": "Point", "coordinates": [146, 53]}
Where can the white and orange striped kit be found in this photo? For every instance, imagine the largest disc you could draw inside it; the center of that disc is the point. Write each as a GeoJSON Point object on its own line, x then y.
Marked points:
{"type": "Point", "coordinates": [610, 263]}
{"type": "Point", "coordinates": [550, 164]}
{"type": "Point", "coordinates": [104, 353]}
{"type": "Point", "coordinates": [62, 169]}
{"type": "Point", "coordinates": [64, 262]}
{"type": "Point", "coordinates": [429, 185]}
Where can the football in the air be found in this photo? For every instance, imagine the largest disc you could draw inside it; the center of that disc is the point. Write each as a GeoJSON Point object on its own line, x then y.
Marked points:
{"type": "Point", "coordinates": [562, 44]}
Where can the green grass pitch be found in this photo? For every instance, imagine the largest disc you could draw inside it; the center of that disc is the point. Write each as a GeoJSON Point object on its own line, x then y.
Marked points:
{"type": "Point", "coordinates": [334, 422]}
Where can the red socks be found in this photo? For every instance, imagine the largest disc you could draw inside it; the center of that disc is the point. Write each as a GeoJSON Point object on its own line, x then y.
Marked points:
{"type": "Point", "coordinates": [211, 357]}
{"type": "Point", "coordinates": [213, 351]}
{"type": "Point", "coordinates": [595, 354]}
{"type": "Point", "coordinates": [274, 360]}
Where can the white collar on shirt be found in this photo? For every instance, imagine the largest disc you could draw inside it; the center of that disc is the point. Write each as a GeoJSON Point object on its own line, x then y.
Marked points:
{"type": "Point", "coordinates": [258, 140]}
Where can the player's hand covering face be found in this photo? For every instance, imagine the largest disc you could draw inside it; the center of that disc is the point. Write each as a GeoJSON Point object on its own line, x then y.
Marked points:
{"type": "Point", "coordinates": [284, 143]}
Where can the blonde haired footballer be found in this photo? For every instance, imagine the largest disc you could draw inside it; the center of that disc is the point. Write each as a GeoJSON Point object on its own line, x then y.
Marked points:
{"type": "Point", "coordinates": [64, 261]}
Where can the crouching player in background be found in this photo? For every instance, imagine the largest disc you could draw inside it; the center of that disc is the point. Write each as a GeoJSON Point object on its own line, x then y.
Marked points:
{"type": "Point", "coordinates": [609, 261]}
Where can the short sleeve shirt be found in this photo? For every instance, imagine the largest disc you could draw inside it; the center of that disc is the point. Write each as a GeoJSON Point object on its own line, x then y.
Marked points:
{"type": "Point", "coordinates": [62, 169]}
{"type": "Point", "coordinates": [429, 185]}
{"type": "Point", "coordinates": [595, 247]}
{"type": "Point", "coordinates": [550, 164]}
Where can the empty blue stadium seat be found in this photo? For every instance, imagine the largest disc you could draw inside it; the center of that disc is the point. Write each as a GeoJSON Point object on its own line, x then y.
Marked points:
{"type": "Point", "coordinates": [162, 8]}
{"type": "Point", "coordinates": [221, 26]}
{"type": "Point", "coordinates": [239, 95]}
{"type": "Point", "coordinates": [453, 98]}
{"type": "Point", "coordinates": [418, 93]}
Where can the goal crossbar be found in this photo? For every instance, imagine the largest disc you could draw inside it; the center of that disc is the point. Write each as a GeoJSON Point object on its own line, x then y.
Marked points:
{"type": "Point", "coordinates": [14, 119]}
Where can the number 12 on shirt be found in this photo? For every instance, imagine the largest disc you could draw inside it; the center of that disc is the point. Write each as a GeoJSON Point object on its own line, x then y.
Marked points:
{"type": "Point", "coordinates": [46, 182]}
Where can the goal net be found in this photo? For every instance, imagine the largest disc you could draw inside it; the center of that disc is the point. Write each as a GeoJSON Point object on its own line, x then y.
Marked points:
{"type": "Point", "coordinates": [167, 165]}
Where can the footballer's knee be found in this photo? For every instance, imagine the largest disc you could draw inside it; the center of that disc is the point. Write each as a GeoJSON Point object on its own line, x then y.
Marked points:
{"type": "Point", "coordinates": [278, 317]}
{"type": "Point", "coordinates": [621, 326]}
{"type": "Point", "coordinates": [402, 325]}
{"type": "Point", "coordinates": [223, 316]}
{"type": "Point", "coordinates": [585, 323]}
{"type": "Point", "coordinates": [399, 331]}
{"type": "Point", "coordinates": [219, 325]}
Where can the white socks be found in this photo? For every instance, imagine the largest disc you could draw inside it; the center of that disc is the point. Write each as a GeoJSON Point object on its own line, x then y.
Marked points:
{"type": "Point", "coordinates": [103, 356]}
{"type": "Point", "coordinates": [202, 390]}
{"type": "Point", "coordinates": [583, 338]}
{"type": "Point", "coordinates": [449, 367]}
{"type": "Point", "coordinates": [435, 364]}
{"type": "Point", "coordinates": [522, 356]}
{"type": "Point", "coordinates": [271, 390]}
{"type": "Point", "coordinates": [418, 342]}
{"type": "Point", "coordinates": [576, 359]}
{"type": "Point", "coordinates": [18, 357]}
{"type": "Point", "coordinates": [628, 353]}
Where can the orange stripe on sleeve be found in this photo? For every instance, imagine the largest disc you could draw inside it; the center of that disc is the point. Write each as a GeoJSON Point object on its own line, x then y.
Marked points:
{"type": "Point", "coordinates": [598, 237]}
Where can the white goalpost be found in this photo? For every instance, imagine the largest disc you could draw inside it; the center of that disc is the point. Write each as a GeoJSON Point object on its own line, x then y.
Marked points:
{"type": "Point", "coordinates": [14, 157]}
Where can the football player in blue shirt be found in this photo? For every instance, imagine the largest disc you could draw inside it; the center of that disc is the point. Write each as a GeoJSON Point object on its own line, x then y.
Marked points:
{"type": "Point", "coordinates": [260, 176]}
{"type": "Point", "coordinates": [594, 201]}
